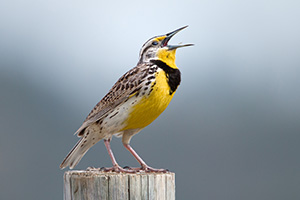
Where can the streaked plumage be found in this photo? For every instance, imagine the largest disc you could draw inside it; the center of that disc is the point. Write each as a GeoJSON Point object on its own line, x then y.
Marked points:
{"type": "Point", "coordinates": [134, 101]}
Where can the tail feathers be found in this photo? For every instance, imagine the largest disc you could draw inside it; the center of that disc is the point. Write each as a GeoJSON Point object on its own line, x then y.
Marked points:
{"type": "Point", "coordinates": [78, 151]}
{"type": "Point", "coordinates": [74, 156]}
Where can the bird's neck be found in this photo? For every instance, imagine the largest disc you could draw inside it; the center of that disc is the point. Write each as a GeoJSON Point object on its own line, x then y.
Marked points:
{"type": "Point", "coordinates": [168, 57]}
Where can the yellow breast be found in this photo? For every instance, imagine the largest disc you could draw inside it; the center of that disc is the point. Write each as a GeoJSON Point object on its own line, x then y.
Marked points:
{"type": "Point", "coordinates": [150, 107]}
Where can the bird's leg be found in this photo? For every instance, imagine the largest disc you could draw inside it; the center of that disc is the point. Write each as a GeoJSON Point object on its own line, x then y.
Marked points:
{"type": "Point", "coordinates": [116, 167]}
{"type": "Point", "coordinates": [144, 167]}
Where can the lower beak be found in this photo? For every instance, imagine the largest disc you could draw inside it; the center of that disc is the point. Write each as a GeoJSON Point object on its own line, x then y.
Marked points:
{"type": "Point", "coordinates": [172, 47]}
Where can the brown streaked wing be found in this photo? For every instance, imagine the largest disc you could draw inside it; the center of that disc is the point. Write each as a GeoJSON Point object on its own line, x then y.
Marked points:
{"type": "Point", "coordinates": [119, 93]}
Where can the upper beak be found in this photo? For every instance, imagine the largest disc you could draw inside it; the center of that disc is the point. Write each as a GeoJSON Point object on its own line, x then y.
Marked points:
{"type": "Point", "coordinates": [169, 36]}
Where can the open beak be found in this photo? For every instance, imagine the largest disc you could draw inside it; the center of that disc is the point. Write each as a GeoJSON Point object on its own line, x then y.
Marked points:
{"type": "Point", "coordinates": [169, 36]}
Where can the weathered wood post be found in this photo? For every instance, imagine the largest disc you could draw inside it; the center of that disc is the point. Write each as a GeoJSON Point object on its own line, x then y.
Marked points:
{"type": "Point", "coordinates": [94, 184]}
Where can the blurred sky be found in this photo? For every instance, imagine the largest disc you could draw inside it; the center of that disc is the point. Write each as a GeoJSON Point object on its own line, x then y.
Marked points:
{"type": "Point", "coordinates": [231, 132]}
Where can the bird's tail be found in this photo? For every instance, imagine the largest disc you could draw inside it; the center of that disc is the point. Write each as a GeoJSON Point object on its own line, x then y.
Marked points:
{"type": "Point", "coordinates": [78, 151]}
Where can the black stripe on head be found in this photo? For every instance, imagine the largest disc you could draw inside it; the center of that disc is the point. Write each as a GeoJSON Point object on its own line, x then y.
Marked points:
{"type": "Point", "coordinates": [147, 54]}
{"type": "Point", "coordinates": [144, 48]}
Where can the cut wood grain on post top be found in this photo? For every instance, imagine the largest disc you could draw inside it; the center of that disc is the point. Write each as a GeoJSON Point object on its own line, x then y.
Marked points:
{"type": "Point", "coordinates": [95, 184]}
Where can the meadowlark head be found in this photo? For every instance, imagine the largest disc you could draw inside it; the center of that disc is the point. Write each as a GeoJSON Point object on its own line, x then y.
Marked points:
{"type": "Point", "coordinates": [157, 48]}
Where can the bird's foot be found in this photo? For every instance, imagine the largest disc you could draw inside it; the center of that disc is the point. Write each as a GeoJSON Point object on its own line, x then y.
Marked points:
{"type": "Point", "coordinates": [93, 169]}
{"type": "Point", "coordinates": [146, 168]}
{"type": "Point", "coordinates": [117, 168]}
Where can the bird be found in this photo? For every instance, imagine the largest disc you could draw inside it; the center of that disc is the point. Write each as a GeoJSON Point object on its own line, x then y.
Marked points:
{"type": "Point", "coordinates": [134, 101]}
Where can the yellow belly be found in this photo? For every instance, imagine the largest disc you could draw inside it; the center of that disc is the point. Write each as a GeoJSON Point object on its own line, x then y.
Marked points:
{"type": "Point", "coordinates": [150, 107]}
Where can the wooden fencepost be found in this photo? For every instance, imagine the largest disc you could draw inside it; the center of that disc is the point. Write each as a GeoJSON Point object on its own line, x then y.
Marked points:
{"type": "Point", "coordinates": [95, 184]}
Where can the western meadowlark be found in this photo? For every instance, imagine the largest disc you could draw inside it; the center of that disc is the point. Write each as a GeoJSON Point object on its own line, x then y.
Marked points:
{"type": "Point", "coordinates": [135, 101]}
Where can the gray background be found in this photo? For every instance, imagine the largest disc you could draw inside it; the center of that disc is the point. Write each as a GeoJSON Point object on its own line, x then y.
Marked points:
{"type": "Point", "coordinates": [231, 131]}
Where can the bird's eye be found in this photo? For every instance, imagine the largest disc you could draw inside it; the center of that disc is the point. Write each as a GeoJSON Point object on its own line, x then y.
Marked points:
{"type": "Point", "coordinates": [154, 43]}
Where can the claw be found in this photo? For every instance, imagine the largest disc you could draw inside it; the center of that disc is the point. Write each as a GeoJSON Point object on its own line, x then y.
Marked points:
{"type": "Point", "coordinates": [102, 168]}
{"type": "Point", "coordinates": [127, 169]}
{"type": "Point", "coordinates": [146, 168]}
{"type": "Point", "coordinates": [117, 169]}
{"type": "Point", "coordinates": [93, 169]}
